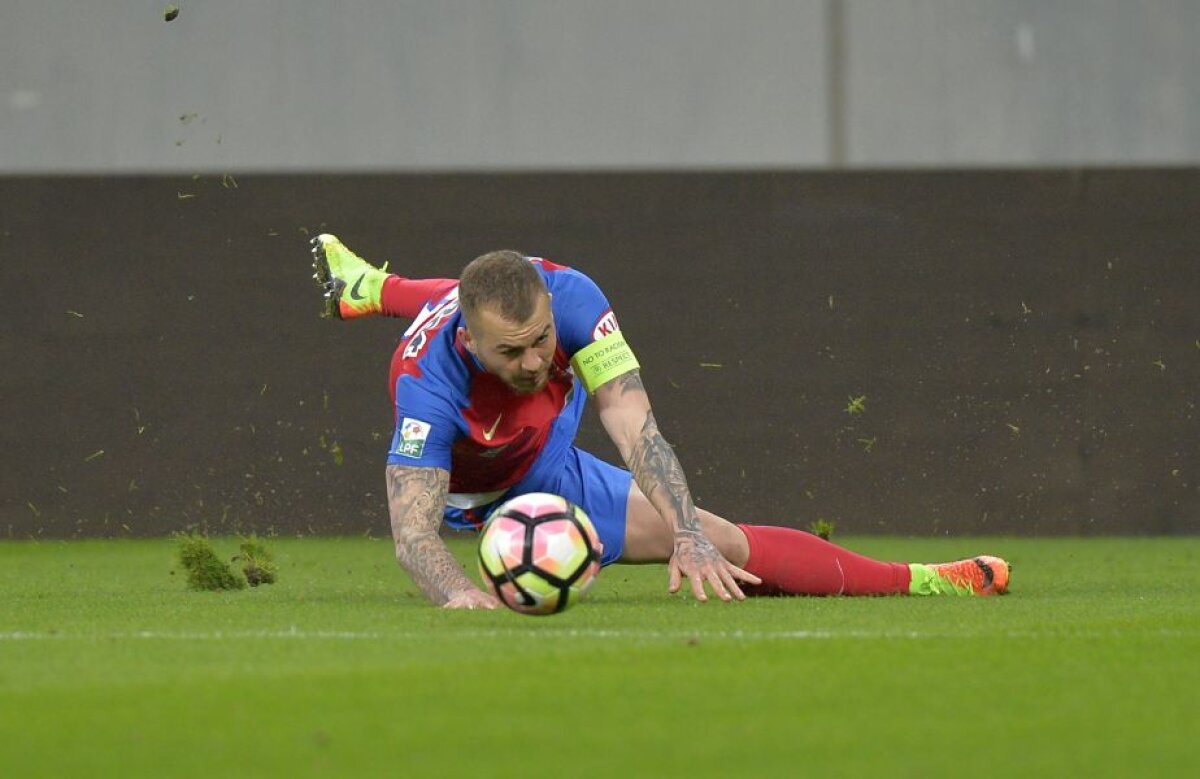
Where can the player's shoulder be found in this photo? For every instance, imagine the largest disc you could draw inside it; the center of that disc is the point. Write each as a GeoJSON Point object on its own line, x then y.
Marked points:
{"type": "Point", "coordinates": [581, 310]}
{"type": "Point", "coordinates": [429, 351]}
{"type": "Point", "coordinates": [558, 275]}
{"type": "Point", "coordinates": [566, 283]}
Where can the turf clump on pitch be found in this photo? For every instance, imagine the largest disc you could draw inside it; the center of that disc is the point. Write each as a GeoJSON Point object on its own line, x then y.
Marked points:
{"type": "Point", "coordinates": [206, 571]}
{"type": "Point", "coordinates": [257, 563]}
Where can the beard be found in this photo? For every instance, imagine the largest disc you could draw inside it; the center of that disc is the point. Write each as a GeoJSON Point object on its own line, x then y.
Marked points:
{"type": "Point", "coordinates": [531, 385]}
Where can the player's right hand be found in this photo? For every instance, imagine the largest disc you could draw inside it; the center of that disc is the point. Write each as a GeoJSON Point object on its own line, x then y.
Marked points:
{"type": "Point", "coordinates": [472, 599]}
{"type": "Point", "coordinates": [701, 562]}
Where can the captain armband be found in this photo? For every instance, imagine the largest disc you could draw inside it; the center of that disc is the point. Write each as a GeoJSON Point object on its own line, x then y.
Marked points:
{"type": "Point", "coordinates": [602, 361]}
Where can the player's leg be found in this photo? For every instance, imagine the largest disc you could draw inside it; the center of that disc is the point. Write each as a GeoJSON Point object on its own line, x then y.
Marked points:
{"type": "Point", "coordinates": [354, 288]}
{"type": "Point", "coordinates": [649, 537]}
{"type": "Point", "coordinates": [788, 561]}
{"type": "Point", "coordinates": [793, 562]}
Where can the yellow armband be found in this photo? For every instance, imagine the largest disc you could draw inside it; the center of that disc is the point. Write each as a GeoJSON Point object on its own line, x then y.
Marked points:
{"type": "Point", "coordinates": [602, 361]}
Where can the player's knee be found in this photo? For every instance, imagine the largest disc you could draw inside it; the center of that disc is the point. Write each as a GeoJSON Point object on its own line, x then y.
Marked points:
{"type": "Point", "coordinates": [648, 539]}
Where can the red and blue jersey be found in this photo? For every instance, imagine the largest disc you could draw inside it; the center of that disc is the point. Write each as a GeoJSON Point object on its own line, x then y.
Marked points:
{"type": "Point", "coordinates": [452, 414]}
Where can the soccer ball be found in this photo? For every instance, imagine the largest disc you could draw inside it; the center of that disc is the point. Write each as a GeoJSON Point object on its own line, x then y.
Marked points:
{"type": "Point", "coordinates": [539, 553]}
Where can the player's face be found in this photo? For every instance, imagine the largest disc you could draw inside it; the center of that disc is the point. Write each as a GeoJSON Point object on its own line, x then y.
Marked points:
{"type": "Point", "coordinates": [519, 353]}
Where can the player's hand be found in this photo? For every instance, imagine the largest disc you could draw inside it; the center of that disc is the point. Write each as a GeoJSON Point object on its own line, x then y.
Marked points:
{"type": "Point", "coordinates": [472, 599]}
{"type": "Point", "coordinates": [696, 558]}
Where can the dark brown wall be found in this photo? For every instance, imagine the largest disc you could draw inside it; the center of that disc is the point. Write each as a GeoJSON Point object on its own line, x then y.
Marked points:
{"type": "Point", "coordinates": [1028, 342]}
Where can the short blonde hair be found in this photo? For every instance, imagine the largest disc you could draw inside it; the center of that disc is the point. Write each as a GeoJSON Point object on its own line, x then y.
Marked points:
{"type": "Point", "coordinates": [505, 280]}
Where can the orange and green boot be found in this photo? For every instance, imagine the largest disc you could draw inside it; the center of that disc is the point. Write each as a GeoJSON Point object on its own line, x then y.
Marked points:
{"type": "Point", "coordinates": [983, 575]}
{"type": "Point", "coordinates": [352, 285]}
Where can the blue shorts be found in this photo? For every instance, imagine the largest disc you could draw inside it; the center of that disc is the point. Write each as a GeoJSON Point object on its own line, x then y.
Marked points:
{"type": "Point", "coordinates": [600, 489]}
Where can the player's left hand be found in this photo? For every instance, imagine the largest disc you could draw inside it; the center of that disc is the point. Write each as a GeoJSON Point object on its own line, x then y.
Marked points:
{"type": "Point", "coordinates": [698, 559]}
{"type": "Point", "coordinates": [472, 599]}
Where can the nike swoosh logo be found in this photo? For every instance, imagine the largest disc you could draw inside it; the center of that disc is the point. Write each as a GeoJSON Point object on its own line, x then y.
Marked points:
{"type": "Point", "coordinates": [989, 576]}
{"type": "Point", "coordinates": [487, 434]}
{"type": "Point", "coordinates": [354, 290]}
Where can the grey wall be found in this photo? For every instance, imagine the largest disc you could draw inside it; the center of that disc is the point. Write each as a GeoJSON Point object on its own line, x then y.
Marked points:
{"type": "Point", "coordinates": [940, 82]}
{"type": "Point", "coordinates": [284, 84]}
{"type": "Point", "coordinates": [479, 84]}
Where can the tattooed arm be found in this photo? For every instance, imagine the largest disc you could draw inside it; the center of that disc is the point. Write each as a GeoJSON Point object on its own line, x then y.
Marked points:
{"type": "Point", "coordinates": [625, 411]}
{"type": "Point", "coordinates": [416, 500]}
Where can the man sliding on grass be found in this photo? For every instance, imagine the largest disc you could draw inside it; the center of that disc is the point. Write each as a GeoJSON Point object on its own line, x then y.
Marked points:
{"type": "Point", "coordinates": [489, 383]}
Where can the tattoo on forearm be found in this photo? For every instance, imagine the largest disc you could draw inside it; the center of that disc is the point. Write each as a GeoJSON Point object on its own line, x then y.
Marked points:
{"type": "Point", "coordinates": [416, 500]}
{"type": "Point", "coordinates": [629, 382]}
{"type": "Point", "coordinates": [660, 475]}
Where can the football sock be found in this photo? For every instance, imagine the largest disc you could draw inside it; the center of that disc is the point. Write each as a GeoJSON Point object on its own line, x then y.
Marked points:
{"type": "Point", "coordinates": [405, 298]}
{"type": "Point", "coordinates": [792, 562]}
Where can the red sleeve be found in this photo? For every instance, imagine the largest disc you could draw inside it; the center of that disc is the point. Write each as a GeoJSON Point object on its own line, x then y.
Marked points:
{"type": "Point", "coordinates": [405, 298]}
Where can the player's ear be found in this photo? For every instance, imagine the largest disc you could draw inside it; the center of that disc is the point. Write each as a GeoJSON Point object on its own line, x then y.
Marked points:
{"type": "Point", "coordinates": [465, 335]}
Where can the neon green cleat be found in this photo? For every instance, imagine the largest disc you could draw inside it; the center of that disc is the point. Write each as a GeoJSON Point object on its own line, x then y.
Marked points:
{"type": "Point", "coordinates": [352, 285]}
{"type": "Point", "coordinates": [983, 575]}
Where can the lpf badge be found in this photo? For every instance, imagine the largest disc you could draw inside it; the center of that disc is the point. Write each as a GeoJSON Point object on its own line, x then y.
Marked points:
{"type": "Point", "coordinates": [413, 434]}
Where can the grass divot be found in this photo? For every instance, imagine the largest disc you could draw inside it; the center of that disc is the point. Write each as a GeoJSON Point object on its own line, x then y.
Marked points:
{"type": "Point", "coordinates": [257, 563]}
{"type": "Point", "coordinates": [205, 571]}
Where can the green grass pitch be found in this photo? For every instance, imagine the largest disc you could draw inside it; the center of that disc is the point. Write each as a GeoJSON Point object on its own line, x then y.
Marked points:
{"type": "Point", "coordinates": [109, 666]}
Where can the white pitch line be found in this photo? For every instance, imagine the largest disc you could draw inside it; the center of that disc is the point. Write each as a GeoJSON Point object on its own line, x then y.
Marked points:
{"type": "Point", "coordinates": [570, 633]}
{"type": "Point", "coordinates": [567, 633]}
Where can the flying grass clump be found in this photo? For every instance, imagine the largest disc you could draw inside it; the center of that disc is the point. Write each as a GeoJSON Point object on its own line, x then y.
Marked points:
{"type": "Point", "coordinates": [208, 572]}
{"type": "Point", "coordinates": [257, 564]}
{"type": "Point", "coordinates": [822, 528]}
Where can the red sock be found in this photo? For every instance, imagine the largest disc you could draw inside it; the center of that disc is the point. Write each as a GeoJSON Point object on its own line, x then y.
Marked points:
{"type": "Point", "coordinates": [406, 297]}
{"type": "Point", "coordinates": [792, 562]}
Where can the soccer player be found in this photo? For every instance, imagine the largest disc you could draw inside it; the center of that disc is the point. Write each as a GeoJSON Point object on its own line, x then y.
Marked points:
{"type": "Point", "coordinates": [489, 383]}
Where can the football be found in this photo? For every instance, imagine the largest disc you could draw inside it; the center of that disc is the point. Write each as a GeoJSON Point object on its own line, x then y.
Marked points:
{"type": "Point", "coordinates": [539, 553]}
